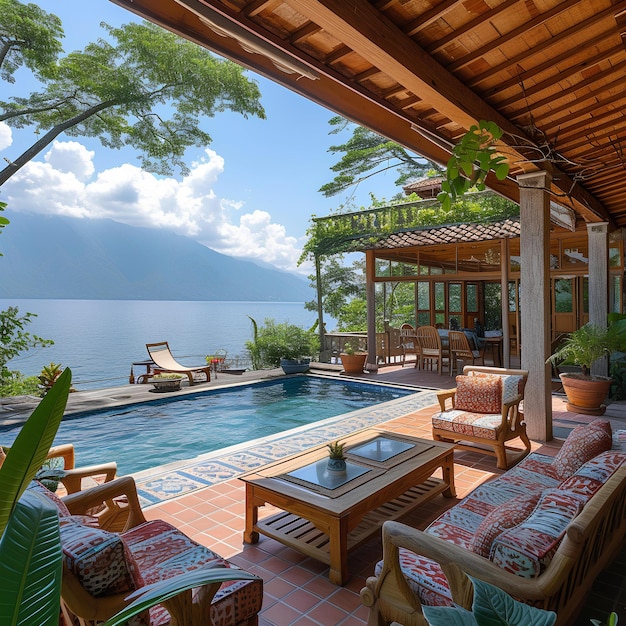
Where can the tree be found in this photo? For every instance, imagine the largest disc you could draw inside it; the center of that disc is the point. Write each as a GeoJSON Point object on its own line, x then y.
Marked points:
{"type": "Point", "coordinates": [15, 340]}
{"type": "Point", "coordinates": [123, 93]}
{"type": "Point", "coordinates": [340, 283]}
{"type": "Point", "coordinates": [367, 154]}
{"type": "Point", "coordinates": [29, 37]}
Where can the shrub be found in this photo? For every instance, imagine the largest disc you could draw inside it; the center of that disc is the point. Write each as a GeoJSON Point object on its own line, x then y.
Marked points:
{"type": "Point", "coordinates": [273, 342]}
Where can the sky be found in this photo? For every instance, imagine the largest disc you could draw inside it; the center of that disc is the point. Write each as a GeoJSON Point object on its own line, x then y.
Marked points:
{"type": "Point", "coordinates": [250, 193]}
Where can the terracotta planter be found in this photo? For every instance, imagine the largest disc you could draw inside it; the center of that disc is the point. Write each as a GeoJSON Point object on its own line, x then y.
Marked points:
{"type": "Point", "coordinates": [353, 363]}
{"type": "Point", "coordinates": [586, 394]}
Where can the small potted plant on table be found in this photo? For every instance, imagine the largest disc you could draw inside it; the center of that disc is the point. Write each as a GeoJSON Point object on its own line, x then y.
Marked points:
{"type": "Point", "coordinates": [336, 457]}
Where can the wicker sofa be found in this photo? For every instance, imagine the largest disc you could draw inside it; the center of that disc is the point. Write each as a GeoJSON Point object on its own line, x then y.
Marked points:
{"type": "Point", "coordinates": [541, 531]}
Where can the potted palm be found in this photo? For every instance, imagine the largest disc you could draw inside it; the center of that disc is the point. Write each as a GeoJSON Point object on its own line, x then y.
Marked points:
{"type": "Point", "coordinates": [586, 392]}
{"type": "Point", "coordinates": [336, 457]}
{"type": "Point", "coordinates": [352, 358]}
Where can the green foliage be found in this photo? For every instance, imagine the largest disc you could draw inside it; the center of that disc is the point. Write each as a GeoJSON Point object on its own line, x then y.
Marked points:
{"type": "Point", "coordinates": [29, 37]}
{"type": "Point", "coordinates": [589, 343]}
{"type": "Point", "coordinates": [30, 546]}
{"type": "Point", "coordinates": [349, 232]}
{"type": "Point", "coordinates": [491, 607]}
{"type": "Point", "coordinates": [3, 220]}
{"type": "Point", "coordinates": [339, 284]}
{"type": "Point", "coordinates": [367, 154]}
{"type": "Point", "coordinates": [335, 450]}
{"type": "Point", "coordinates": [16, 384]}
{"type": "Point", "coordinates": [48, 376]}
{"type": "Point", "coordinates": [473, 158]}
{"type": "Point", "coordinates": [14, 340]}
{"type": "Point", "coordinates": [114, 88]}
{"type": "Point", "coordinates": [273, 342]}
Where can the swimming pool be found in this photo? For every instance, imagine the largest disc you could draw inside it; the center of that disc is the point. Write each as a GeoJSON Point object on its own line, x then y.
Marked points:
{"type": "Point", "coordinates": [147, 435]}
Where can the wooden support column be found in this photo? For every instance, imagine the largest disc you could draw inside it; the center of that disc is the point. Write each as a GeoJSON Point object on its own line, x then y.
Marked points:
{"type": "Point", "coordinates": [325, 353]}
{"type": "Point", "coordinates": [598, 237]}
{"type": "Point", "coordinates": [504, 288]}
{"type": "Point", "coordinates": [535, 301]}
{"type": "Point", "coordinates": [370, 296]}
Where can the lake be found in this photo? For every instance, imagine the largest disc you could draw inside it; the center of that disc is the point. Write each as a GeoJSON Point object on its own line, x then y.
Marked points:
{"type": "Point", "coordinates": [99, 339]}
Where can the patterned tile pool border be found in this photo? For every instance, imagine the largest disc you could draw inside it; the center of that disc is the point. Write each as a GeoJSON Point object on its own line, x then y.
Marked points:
{"type": "Point", "coordinates": [187, 476]}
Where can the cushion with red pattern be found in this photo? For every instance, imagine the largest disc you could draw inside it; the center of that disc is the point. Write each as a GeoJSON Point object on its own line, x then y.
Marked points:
{"type": "Point", "coordinates": [479, 394]}
{"type": "Point", "coordinates": [582, 444]}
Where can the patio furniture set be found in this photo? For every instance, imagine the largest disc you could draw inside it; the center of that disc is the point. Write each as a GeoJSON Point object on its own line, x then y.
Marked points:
{"type": "Point", "coordinates": [541, 531]}
{"type": "Point", "coordinates": [441, 347]}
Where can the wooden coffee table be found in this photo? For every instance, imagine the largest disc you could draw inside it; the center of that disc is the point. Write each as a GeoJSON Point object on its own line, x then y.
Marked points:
{"type": "Point", "coordinates": [324, 514]}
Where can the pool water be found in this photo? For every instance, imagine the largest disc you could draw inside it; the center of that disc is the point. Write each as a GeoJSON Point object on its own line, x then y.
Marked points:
{"type": "Point", "coordinates": [147, 435]}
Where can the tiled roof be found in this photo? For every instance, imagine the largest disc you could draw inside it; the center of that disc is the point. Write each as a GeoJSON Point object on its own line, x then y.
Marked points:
{"type": "Point", "coordinates": [450, 233]}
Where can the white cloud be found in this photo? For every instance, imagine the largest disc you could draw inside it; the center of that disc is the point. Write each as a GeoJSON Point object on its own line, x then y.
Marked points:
{"type": "Point", "coordinates": [64, 184]}
{"type": "Point", "coordinates": [6, 138]}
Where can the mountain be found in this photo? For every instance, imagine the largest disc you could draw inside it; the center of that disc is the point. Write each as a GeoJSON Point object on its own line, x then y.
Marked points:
{"type": "Point", "coordinates": [59, 257]}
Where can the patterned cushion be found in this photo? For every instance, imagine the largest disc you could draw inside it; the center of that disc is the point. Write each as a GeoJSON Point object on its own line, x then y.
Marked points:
{"type": "Point", "coordinates": [602, 466]}
{"type": "Point", "coordinates": [528, 548]}
{"type": "Point", "coordinates": [162, 551]}
{"type": "Point", "coordinates": [483, 425]}
{"type": "Point", "coordinates": [479, 394]}
{"type": "Point", "coordinates": [512, 384]}
{"type": "Point", "coordinates": [35, 485]}
{"type": "Point", "coordinates": [98, 558]}
{"type": "Point", "coordinates": [582, 444]}
{"type": "Point", "coordinates": [509, 515]}
{"type": "Point", "coordinates": [425, 578]}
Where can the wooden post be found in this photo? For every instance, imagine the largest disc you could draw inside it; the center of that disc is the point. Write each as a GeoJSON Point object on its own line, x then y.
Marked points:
{"type": "Point", "coordinates": [320, 310]}
{"type": "Point", "coordinates": [370, 295]}
{"type": "Point", "coordinates": [504, 288]}
{"type": "Point", "coordinates": [598, 238]}
{"type": "Point", "coordinates": [535, 301]}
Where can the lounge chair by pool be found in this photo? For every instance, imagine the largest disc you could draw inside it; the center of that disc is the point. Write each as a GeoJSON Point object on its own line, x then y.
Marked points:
{"type": "Point", "coordinates": [164, 362]}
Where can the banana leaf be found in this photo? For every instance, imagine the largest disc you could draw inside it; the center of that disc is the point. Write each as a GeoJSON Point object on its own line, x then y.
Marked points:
{"type": "Point", "coordinates": [158, 592]}
{"type": "Point", "coordinates": [492, 607]}
{"type": "Point", "coordinates": [30, 564]}
{"type": "Point", "coordinates": [30, 545]}
{"type": "Point", "coordinates": [30, 449]}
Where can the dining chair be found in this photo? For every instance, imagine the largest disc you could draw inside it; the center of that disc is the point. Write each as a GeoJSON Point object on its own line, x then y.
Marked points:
{"type": "Point", "coordinates": [408, 341]}
{"type": "Point", "coordinates": [431, 349]}
{"type": "Point", "coordinates": [461, 350]}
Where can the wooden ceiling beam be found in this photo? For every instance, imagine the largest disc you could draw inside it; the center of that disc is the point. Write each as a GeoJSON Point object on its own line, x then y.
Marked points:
{"type": "Point", "coordinates": [615, 74]}
{"type": "Point", "coordinates": [479, 20]}
{"type": "Point", "coordinates": [520, 31]}
{"type": "Point", "coordinates": [562, 123]}
{"type": "Point", "coordinates": [304, 32]}
{"type": "Point", "coordinates": [258, 6]}
{"type": "Point", "coordinates": [561, 37]}
{"type": "Point", "coordinates": [550, 63]}
{"type": "Point", "coordinates": [371, 35]}
{"type": "Point", "coordinates": [562, 75]}
{"type": "Point", "coordinates": [429, 17]}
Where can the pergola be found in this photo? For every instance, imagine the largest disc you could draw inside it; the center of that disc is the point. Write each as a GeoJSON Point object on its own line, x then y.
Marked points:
{"type": "Point", "coordinates": [550, 73]}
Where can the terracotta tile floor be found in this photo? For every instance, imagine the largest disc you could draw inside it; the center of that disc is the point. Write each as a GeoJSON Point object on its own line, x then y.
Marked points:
{"type": "Point", "coordinates": [297, 590]}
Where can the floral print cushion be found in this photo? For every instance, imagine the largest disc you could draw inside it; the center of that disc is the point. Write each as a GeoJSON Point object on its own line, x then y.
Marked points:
{"type": "Point", "coordinates": [583, 444]}
{"type": "Point", "coordinates": [479, 394]}
{"type": "Point", "coordinates": [528, 548]}
{"type": "Point", "coordinates": [35, 485]}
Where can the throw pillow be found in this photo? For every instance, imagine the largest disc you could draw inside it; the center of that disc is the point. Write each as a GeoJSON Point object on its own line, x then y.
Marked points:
{"type": "Point", "coordinates": [505, 516]}
{"type": "Point", "coordinates": [479, 394]}
{"type": "Point", "coordinates": [582, 444]}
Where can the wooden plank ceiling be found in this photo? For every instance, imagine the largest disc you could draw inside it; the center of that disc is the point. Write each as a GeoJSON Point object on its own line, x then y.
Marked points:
{"type": "Point", "coordinates": [551, 73]}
